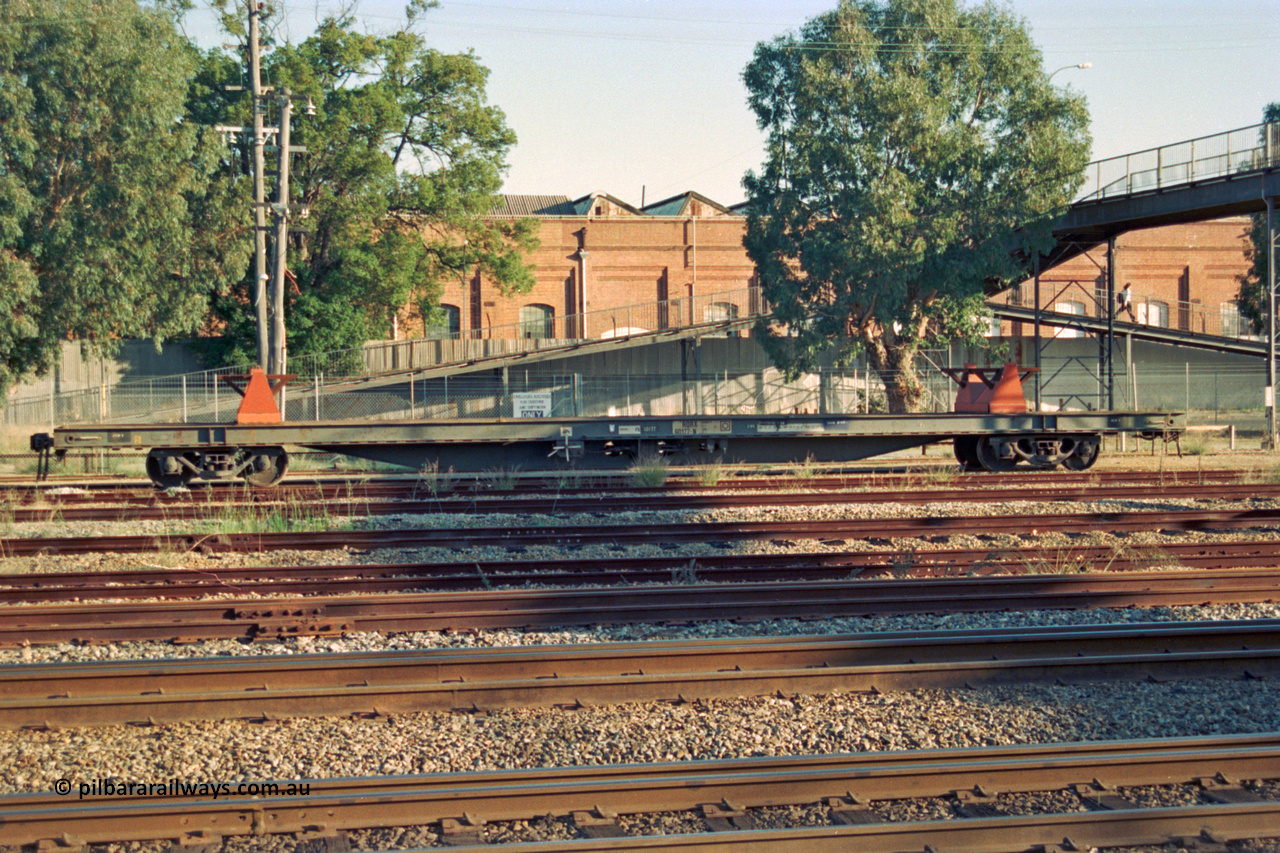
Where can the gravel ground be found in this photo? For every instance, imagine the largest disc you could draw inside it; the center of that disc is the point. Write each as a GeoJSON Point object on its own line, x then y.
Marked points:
{"type": "Point", "coordinates": [523, 738]}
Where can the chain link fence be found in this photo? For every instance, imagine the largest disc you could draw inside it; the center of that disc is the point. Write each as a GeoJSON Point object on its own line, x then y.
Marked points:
{"type": "Point", "coordinates": [1068, 383]}
{"type": "Point", "coordinates": [206, 397]}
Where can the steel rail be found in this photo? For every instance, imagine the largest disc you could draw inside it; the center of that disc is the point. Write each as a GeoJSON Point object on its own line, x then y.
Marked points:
{"type": "Point", "coordinates": [1191, 826]}
{"type": "Point", "coordinates": [618, 534]}
{"type": "Point", "coordinates": [342, 579]}
{"type": "Point", "coordinates": [573, 483]}
{"type": "Point", "coordinates": [367, 506]}
{"type": "Point", "coordinates": [103, 693]}
{"type": "Point", "coordinates": [257, 618]}
{"type": "Point", "coordinates": [508, 795]}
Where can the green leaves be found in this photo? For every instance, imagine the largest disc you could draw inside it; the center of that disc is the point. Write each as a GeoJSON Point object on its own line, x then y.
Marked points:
{"type": "Point", "coordinates": [404, 158]}
{"type": "Point", "coordinates": [911, 144]}
{"type": "Point", "coordinates": [104, 189]}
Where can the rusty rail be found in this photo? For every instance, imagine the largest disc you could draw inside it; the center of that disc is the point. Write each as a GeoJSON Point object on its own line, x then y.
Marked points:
{"type": "Point", "coordinates": [614, 534]}
{"type": "Point", "coordinates": [845, 782]}
{"type": "Point", "coordinates": [554, 503]}
{"type": "Point", "coordinates": [359, 578]}
{"type": "Point", "coordinates": [102, 693]}
{"type": "Point", "coordinates": [259, 619]}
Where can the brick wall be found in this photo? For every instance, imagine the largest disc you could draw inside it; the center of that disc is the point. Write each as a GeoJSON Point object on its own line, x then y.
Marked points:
{"type": "Point", "coordinates": [614, 257]}
{"type": "Point", "coordinates": [594, 264]}
{"type": "Point", "coordinates": [1188, 275]}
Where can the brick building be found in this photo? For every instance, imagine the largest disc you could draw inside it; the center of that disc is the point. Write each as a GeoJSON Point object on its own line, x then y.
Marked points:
{"type": "Point", "coordinates": [607, 268]}
{"type": "Point", "coordinates": [1183, 277]}
{"type": "Point", "coordinates": [681, 258]}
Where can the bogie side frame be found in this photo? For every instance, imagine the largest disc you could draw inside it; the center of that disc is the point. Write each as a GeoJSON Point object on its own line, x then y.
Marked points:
{"type": "Point", "coordinates": [184, 453]}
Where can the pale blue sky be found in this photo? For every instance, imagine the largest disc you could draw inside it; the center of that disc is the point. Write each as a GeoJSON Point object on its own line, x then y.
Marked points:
{"type": "Point", "coordinates": [646, 96]}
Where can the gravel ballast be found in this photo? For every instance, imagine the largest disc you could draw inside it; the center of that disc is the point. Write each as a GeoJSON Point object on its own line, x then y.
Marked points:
{"type": "Point", "coordinates": [235, 751]}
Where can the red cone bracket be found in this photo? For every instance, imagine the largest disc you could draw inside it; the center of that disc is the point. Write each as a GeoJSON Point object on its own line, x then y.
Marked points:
{"type": "Point", "coordinates": [982, 392]}
{"type": "Point", "coordinates": [258, 405]}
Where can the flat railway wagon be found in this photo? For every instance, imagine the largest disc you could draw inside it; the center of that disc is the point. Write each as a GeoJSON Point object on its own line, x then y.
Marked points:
{"type": "Point", "coordinates": [990, 430]}
{"type": "Point", "coordinates": [182, 453]}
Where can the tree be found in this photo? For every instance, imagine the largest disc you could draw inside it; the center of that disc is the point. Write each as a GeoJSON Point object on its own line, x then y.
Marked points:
{"type": "Point", "coordinates": [1253, 300]}
{"type": "Point", "coordinates": [912, 145]}
{"type": "Point", "coordinates": [404, 158]}
{"type": "Point", "coordinates": [112, 217]}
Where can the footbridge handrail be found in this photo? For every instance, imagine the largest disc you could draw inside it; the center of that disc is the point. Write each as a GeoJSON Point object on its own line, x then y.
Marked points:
{"type": "Point", "coordinates": [1222, 155]}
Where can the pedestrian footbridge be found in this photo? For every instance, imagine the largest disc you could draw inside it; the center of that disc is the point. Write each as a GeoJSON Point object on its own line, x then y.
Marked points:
{"type": "Point", "coordinates": [1192, 181]}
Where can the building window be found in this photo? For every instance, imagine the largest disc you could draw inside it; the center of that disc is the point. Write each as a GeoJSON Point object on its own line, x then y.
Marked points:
{"type": "Point", "coordinates": [450, 325]}
{"type": "Point", "coordinates": [537, 321]}
{"type": "Point", "coordinates": [1233, 325]}
{"type": "Point", "coordinates": [1154, 313]}
{"type": "Point", "coordinates": [1073, 308]}
{"type": "Point", "coordinates": [452, 320]}
{"type": "Point", "coordinates": [719, 312]}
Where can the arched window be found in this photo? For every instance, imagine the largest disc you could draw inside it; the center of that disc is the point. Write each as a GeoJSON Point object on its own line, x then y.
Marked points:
{"type": "Point", "coordinates": [719, 312]}
{"type": "Point", "coordinates": [452, 320]}
{"type": "Point", "coordinates": [537, 321]}
{"type": "Point", "coordinates": [449, 325]}
{"type": "Point", "coordinates": [1154, 313]}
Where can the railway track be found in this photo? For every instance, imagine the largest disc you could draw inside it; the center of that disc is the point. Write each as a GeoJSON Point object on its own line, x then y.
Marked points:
{"type": "Point", "coordinates": [405, 501]}
{"type": "Point", "coordinates": [105, 693]}
{"type": "Point", "coordinates": [851, 787]}
{"type": "Point", "coordinates": [364, 684]}
{"type": "Point", "coordinates": [357, 578]}
{"type": "Point", "coordinates": [875, 529]}
{"type": "Point", "coordinates": [321, 615]}
{"type": "Point", "coordinates": [373, 485]}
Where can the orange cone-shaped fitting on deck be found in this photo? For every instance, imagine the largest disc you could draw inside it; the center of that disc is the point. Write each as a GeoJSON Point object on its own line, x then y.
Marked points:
{"type": "Point", "coordinates": [974, 394]}
{"type": "Point", "coordinates": [259, 403]}
{"type": "Point", "coordinates": [1007, 397]}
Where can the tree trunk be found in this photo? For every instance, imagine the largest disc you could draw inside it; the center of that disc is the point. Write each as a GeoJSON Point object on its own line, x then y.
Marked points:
{"type": "Point", "coordinates": [895, 364]}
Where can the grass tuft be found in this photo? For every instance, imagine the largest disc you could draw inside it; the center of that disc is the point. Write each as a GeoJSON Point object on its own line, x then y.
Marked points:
{"type": "Point", "coordinates": [502, 479]}
{"type": "Point", "coordinates": [710, 475]}
{"type": "Point", "coordinates": [650, 472]}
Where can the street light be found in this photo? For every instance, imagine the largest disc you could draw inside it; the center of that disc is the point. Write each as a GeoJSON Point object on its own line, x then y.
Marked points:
{"type": "Point", "coordinates": [1078, 65]}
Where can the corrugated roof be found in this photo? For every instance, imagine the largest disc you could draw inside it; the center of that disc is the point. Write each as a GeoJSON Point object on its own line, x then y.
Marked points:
{"type": "Point", "coordinates": [534, 205]}
{"type": "Point", "coordinates": [671, 207]}
{"type": "Point", "coordinates": [585, 204]}
{"type": "Point", "coordinates": [516, 206]}
{"type": "Point", "coordinates": [678, 205]}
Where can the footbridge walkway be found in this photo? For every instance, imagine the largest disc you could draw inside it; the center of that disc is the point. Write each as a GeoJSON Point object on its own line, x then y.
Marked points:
{"type": "Point", "coordinates": [1194, 180]}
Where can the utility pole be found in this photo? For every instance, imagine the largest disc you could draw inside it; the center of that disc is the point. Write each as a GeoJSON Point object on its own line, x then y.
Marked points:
{"type": "Point", "coordinates": [281, 246]}
{"type": "Point", "coordinates": [259, 187]}
{"type": "Point", "coordinates": [268, 290]}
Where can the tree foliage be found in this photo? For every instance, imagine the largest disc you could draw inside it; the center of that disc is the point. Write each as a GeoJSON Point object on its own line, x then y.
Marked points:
{"type": "Point", "coordinates": [112, 221]}
{"type": "Point", "coordinates": [1253, 301]}
{"type": "Point", "coordinates": [404, 158]}
{"type": "Point", "coordinates": [912, 145]}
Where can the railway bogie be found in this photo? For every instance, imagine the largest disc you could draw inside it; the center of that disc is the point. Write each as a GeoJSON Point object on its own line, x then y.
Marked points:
{"type": "Point", "coordinates": [1004, 453]}
{"type": "Point", "coordinates": [258, 466]}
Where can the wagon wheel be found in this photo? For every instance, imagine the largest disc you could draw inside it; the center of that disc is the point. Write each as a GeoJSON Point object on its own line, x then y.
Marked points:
{"type": "Point", "coordinates": [170, 479]}
{"type": "Point", "coordinates": [1086, 453]}
{"type": "Point", "coordinates": [267, 466]}
{"type": "Point", "coordinates": [965, 448]}
{"type": "Point", "coordinates": [989, 456]}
